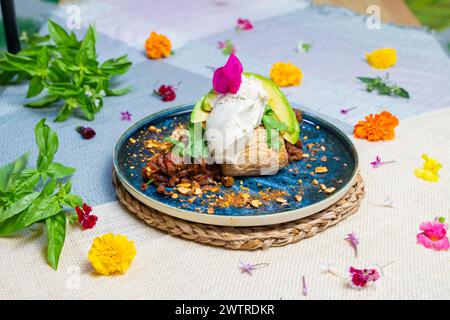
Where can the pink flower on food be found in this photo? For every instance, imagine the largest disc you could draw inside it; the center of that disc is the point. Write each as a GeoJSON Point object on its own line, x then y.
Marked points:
{"type": "Point", "coordinates": [243, 24]}
{"type": "Point", "coordinates": [361, 277]}
{"type": "Point", "coordinates": [434, 235]}
{"type": "Point", "coordinates": [227, 79]}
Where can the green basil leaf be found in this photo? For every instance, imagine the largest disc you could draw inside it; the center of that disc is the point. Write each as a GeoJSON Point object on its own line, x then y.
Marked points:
{"type": "Point", "coordinates": [88, 43]}
{"type": "Point", "coordinates": [55, 227]}
{"type": "Point", "coordinates": [18, 206]}
{"type": "Point", "coordinates": [36, 86]}
{"type": "Point", "coordinates": [10, 172]}
{"type": "Point", "coordinates": [40, 209]}
{"type": "Point", "coordinates": [59, 171]}
{"type": "Point", "coordinates": [47, 142]}
{"type": "Point", "coordinates": [44, 102]}
{"type": "Point", "coordinates": [402, 93]}
{"type": "Point", "coordinates": [64, 113]}
{"type": "Point", "coordinates": [366, 80]}
{"type": "Point", "coordinates": [7, 77]}
{"type": "Point", "coordinates": [27, 180]}
{"type": "Point", "coordinates": [58, 34]}
{"type": "Point", "coordinates": [117, 92]}
{"type": "Point", "coordinates": [116, 66]}
{"type": "Point", "coordinates": [72, 200]}
{"type": "Point", "coordinates": [22, 63]}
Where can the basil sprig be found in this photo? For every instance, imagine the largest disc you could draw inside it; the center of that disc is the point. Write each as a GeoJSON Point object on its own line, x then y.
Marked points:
{"type": "Point", "coordinates": [273, 127]}
{"type": "Point", "coordinates": [38, 195]}
{"type": "Point", "coordinates": [66, 69]}
{"type": "Point", "coordinates": [384, 86]}
{"type": "Point", "coordinates": [194, 146]}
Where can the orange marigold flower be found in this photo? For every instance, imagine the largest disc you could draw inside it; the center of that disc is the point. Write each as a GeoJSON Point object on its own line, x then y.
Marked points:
{"type": "Point", "coordinates": [377, 127]}
{"type": "Point", "coordinates": [158, 46]}
{"type": "Point", "coordinates": [286, 74]}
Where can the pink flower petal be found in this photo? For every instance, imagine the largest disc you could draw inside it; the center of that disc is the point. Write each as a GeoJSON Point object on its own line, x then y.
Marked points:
{"type": "Point", "coordinates": [227, 79]}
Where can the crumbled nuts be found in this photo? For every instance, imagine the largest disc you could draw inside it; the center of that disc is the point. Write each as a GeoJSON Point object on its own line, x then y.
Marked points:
{"type": "Point", "coordinates": [330, 190]}
{"type": "Point", "coordinates": [184, 185]}
{"type": "Point", "coordinates": [184, 190]}
{"type": "Point", "coordinates": [192, 199]}
{"type": "Point", "coordinates": [174, 196]}
{"type": "Point", "coordinates": [322, 186]}
{"type": "Point", "coordinates": [227, 181]}
{"type": "Point", "coordinates": [321, 169]}
{"type": "Point", "coordinates": [152, 128]}
{"type": "Point", "coordinates": [322, 148]}
{"type": "Point", "coordinates": [305, 155]}
{"type": "Point", "coordinates": [245, 196]}
{"type": "Point", "coordinates": [315, 182]}
{"type": "Point", "coordinates": [298, 198]}
{"type": "Point", "coordinates": [132, 140]}
{"type": "Point", "coordinates": [198, 191]}
{"type": "Point", "coordinates": [299, 181]}
{"type": "Point", "coordinates": [280, 200]}
{"type": "Point", "coordinates": [210, 210]}
{"type": "Point", "coordinates": [324, 159]}
{"type": "Point", "coordinates": [256, 203]}
{"type": "Point", "coordinates": [317, 127]}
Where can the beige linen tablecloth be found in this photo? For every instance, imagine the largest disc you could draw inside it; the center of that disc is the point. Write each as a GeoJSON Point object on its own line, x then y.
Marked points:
{"type": "Point", "coordinates": [169, 268]}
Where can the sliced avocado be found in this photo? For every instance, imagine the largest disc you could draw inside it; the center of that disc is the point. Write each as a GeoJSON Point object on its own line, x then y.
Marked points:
{"type": "Point", "coordinates": [197, 114]}
{"type": "Point", "coordinates": [281, 107]}
{"type": "Point", "coordinates": [203, 107]}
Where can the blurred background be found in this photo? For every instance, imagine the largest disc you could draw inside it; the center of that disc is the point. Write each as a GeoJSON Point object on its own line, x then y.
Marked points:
{"type": "Point", "coordinates": [432, 14]}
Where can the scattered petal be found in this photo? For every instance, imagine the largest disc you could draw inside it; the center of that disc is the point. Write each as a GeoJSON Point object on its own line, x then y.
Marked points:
{"type": "Point", "coordinates": [226, 46]}
{"type": "Point", "coordinates": [354, 241]}
{"type": "Point", "coordinates": [249, 267]}
{"type": "Point", "coordinates": [346, 111]}
{"type": "Point", "coordinates": [434, 235]}
{"type": "Point", "coordinates": [111, 254]}
{"type": "Point", "coordinates": [85, 218]}
{"type": "Point", "coordinates": [158, 46]}
{"type": "Point", "coordinates": [243, 25]}
{"type": "Point", "coordinates": [377, 127]}
{"type": "Point", "coordinates": [430, 169]}
{"type": "Point", "coordinates": [125, 116]}
{"type": "Point", "coordinates": [382, 58]}
{"type": "Point", "coordinates": [166, 93]}
{"type": "Point", "coordinates": [378, 163]}
{"type": "Point", "coordinates": [86, 132]}
{"type": "Point", "coordinates": [286, 74]}
{"type": "Point", "coordinates": [305, 288]}
{"type": "Point", "coordinates": [361, 277]}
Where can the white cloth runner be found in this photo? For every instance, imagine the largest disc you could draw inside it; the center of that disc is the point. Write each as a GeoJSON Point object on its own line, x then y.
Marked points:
{"type": "Point", "coordinates": [170, 268]}
{"type": "Point", "coordinates": [180, 20]}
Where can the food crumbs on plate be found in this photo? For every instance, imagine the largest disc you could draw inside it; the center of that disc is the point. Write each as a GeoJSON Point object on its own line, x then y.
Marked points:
{"type": "Point", "coordinates": [298, 198]}
{"type": "Point", "coordinates": [132, 140]}
{"type": "Point", "coordinates": [174, 196]}
{"type": "Point", "coordinates": [256, 203]}
{"type": "Point", "coordinates": [321, 169]}
{"type": "Point", "coordinates": [324, 159]}
{"type": "Point", "coordinates": [211, 210]}
{"type": "Point", "coordinates": [322, 148]}
{"type": "Point", "coordinates": [330, 190]}
{"type": "Point", "coordinates": [305, 155]}
{"type": "Point", "coordinates": [300, 181]}
{"type": "Point", "coordinates": [315, 182]}
{"type": "Point", "coordinates": [280, 200]}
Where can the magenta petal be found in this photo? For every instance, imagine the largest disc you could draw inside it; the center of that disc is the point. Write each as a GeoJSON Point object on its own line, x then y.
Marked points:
{"type": "Point", "coordinates": [227, 79]}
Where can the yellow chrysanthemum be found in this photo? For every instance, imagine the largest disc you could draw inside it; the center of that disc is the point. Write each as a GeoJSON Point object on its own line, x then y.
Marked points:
{"type": "Point", "coordinates": [111, 254]}
{"type": "Point", "coordinates": [286, 74]}
{"type": "Point", "coordinates": [382, 58]}
{"type": "Point", "coordinates": [430, 169]}
{"type": "Point", "coordinates": [157, 46]}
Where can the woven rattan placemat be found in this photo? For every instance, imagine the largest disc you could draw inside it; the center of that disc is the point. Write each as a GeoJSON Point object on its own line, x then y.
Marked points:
{"type": "Point", "coordinates": [246, 238]}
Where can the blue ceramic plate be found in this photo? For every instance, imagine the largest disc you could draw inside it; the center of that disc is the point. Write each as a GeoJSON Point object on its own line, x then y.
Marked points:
{"type": "Point", "coordinates": [326, 145]}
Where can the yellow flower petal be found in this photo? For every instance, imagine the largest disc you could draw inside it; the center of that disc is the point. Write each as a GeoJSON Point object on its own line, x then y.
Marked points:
{"type": "Point", "coordinates": [430, 169]}
{"type": "Point", "coordinates": [286, 74]}
{"type": "Point", "coordinates": [382, 58]}
{"type": "Point", "coordinates": [111, 254]}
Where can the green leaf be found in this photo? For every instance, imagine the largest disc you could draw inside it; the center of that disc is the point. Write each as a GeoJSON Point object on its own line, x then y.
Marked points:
{"type": "Point", "coordinates": [44, 102]}
{"type": "Point", "coordinates": [402, 93]}
{"type": "Point", "coordinates": [59, 171]}
{"type": "Point", "coordinates": [72, 200]}
{"type": "Point", "coordinates": [271, 122]}
{"type": "Point", "coordinates": [64, 113]}
{"type": "Point", "coordinates": [36, 86]}
{"type": "Point", "coordinates": [10, 172]}
{"type": "Point", "coordinates": [18, 206]}
{"type": "Point", "coordinates": [27, 180]}
{"type": "Point", "coordinates": [56, 233]}
{"type": "Point", "coordinates": [366, 80]}
{"type": "Point", "coordinates": [273, 138]}
{"type": "Point", "coordinates": [58, 34]}
{"type": "Point", "coordinates": [117, 92]}
{"type": "Point", "coordinates": [47, 142]}
{"type": "Point", "coordinates": [40, 209]}
{"type": "Point", "coordinates": [116, 66]}
{"type": "Point", "coordinates": [88, 43]}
